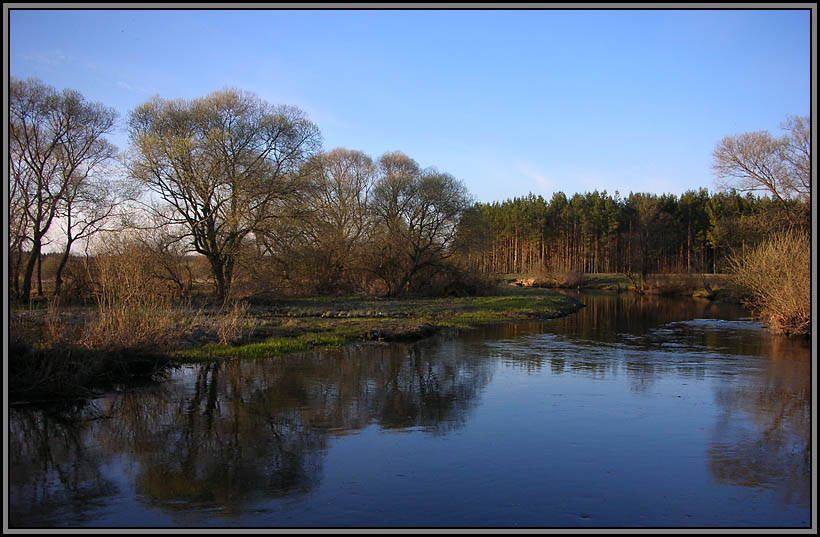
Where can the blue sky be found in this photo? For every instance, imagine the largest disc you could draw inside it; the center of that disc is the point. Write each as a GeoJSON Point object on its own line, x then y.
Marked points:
{"type": "Point", "coordinates": [509, 101]}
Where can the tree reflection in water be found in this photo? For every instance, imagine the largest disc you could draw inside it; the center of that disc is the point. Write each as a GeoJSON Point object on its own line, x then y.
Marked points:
{"type": "Point", "coordinates": [54, 473]}
{"type": "Point", "coordinates": [645, 337]}
{"type": "Point", "coordinates": [246, 431]}
{"type": "Point", "coordinates": [776, 452]}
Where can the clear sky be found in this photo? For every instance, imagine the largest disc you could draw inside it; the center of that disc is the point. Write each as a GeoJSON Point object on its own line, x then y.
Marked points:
{"type": "Point", "coordinates": [509, 101]}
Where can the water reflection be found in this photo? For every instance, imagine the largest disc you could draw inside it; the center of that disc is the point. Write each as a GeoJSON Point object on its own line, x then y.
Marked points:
{"type": "Point", "coordinates": [762, 439]}
{"type": "Point", "coordinates": [240, 432]}
{"type": "Point", "coordinates": [233, 438]}
{"type": "Point", "coordinates": [54, 472]}
{"type": "Point", "coordinates": [764, 379]}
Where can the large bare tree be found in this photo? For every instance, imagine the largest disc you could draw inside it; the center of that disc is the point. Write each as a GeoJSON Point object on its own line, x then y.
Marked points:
{"type": "Point", "coordinates": [760, 162]}
{"type": "Point", "coordinates": [225, 164]}
{"type": "Point", "coordinates": [56, 148]}
{"type": "Point", "coordinates": [19, 181]}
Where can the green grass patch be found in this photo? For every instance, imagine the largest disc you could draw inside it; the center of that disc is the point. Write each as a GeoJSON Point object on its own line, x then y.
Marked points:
{"type": "Point", "coordinates": [298, 325]}
{"type": "Point", "coordinates": [263, 349]}
{"type": "Point", "coordinates": [309, 324]}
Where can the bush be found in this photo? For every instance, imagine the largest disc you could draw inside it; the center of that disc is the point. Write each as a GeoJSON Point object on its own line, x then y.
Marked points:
{"type": "Point", "coordinates": [48, 357]}
{"type": "Point", "coordinates": [776, 275]}
{"type": "Point", "coordinates": [672, 284]}
{"type": "Point", "coordinates": [130, 314]}
{"type": "Point", "coordinates": [77, 285]}
{"type": "Point", "coordinates": [541, 277]}
{"type": "Point", "coordinates": [453, 281]}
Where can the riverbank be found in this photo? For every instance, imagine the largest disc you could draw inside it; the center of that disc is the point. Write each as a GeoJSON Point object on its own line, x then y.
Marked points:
{"type": "Point", "coordinates": [51, 354]}
{"type": "Point", "coordinates": [304, 324]}
{"type": "Point", "coordinates": [708, 286]}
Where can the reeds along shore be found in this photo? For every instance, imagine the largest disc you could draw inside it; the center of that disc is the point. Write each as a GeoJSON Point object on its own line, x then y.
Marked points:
{"type": "Point", "coordinates": [776, 276]}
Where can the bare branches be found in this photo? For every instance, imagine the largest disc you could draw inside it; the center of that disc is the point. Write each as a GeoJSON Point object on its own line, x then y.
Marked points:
{"type": "Point", "coordinates": [418, 212]}
{"type": "Point", "coordinates": [759, 162]}
{"type": "Point", "coordinates": [56, 149]}
{"type": "Point", "coordinates": [797, 154]}
{"type": "Point", "coordinates": [222, 163]}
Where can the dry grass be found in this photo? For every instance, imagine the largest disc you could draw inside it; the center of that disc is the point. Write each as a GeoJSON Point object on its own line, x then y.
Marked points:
{"type": "Point", "coordinates": [129, 313]}
{"type": "Point", "coordinates": [672, 284]}
{"type": "Point", "coordinates": [230, 324]}
{"type": "Point", "coordinates": [541, 277]}
{"type": "Point", "coordinates": [777, 277]}
{"type": "Point", "coordinates": [129, 332]}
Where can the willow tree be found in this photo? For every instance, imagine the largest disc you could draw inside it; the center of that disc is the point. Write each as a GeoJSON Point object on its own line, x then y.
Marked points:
{"type": "Point", "coordinates": [338, 222]}
{"type": "Point", "coordinates": [224, 164]}
{"type": "Point", "coordinates": [416, 216]}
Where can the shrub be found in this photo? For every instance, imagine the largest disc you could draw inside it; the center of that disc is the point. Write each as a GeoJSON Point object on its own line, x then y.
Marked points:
{"type": "Point", "coordinates": [66, 352]}
{"type": "Point", "coordinates": [231, 323]}
{"type": "Point", "coordinates": [452, 280]}
{"type": "Point", "coordinates": [130, 314]}
{"type": "Point", "coordinates": [776, 275]}
{"type": "Point", "coordinates": [539, 276]}
{"type": "Point", "coordinates": [672, 284]}
{"type": "Point", "coordinates": [569, 278]}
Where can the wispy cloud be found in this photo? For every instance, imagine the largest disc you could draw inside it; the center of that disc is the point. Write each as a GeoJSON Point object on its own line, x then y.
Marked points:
{"type": "Point", "coordinates": [133, 89]}
{"type": "Point", "coordinates": [51, 57]}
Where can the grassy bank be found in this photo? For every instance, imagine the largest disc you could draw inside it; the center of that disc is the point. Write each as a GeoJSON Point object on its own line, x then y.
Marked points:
{"type": "Point", "coordinates": [303, 324]}
{"type": "Point", "coordinates": [63, 352]}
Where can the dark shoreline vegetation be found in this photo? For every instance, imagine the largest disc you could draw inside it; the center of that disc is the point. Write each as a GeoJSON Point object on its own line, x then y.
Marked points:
{"type": "Point", "coordinates": [202, 240]}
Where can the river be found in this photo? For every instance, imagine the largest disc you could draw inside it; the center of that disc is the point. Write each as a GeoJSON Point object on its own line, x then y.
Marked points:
{"type": "Point", "coordinates": [635, 412]}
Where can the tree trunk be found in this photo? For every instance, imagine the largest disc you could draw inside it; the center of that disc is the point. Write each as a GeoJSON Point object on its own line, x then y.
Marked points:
{"type": "Point", "coordinates": [58, 277]}
{"type": "Point", "coordinates": [15, 261]}
{"type": "Point", "coordinates": [218, 270]}
{"type": "Point", "coordinates": [40, 273]}
{"type": "Point", "coordinates": [29, 273]}
{"type": "Point", "coordinates": [689, 246]}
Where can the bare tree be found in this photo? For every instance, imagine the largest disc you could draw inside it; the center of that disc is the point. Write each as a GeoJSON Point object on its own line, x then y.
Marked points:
{"type": "Point", "coordinates": [797, 153]}
{"type": "Point", "coordinates": [89, 204]}
{"type": "Point", "coordinates": [171, 262]}
{"type": "Point", "coordinates": [18, 221]}
{"type": "Point", "coordinates": [417, 213]}
{"type": "Point", "coordinates": [56, 145]}
{"type": "Point", "coordinates": [337, 221]}
{"type": "Point", "coordinates": [758, 161]}
{"type": "Point", "coordinates": [225, 163]}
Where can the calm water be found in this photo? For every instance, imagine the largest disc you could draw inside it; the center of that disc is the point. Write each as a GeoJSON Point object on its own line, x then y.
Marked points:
{"type": "Point", "coordinates": [634, 412]}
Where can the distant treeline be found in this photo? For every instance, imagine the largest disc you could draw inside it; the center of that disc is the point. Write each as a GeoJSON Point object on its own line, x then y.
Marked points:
{"type": "Point", "coordinates": [642, 233]}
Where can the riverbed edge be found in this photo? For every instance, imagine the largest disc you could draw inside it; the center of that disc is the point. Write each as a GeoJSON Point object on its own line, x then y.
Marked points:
{"type": "Point", "coordinates": [39, 371]}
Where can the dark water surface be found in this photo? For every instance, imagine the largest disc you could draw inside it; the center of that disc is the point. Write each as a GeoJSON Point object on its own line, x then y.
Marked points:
{"type": "Point", "coordinates": [635, 412]}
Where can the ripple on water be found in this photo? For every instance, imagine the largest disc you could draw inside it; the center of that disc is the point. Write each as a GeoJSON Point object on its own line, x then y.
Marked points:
{"type": "Point", "coordinates": [719, 324]}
